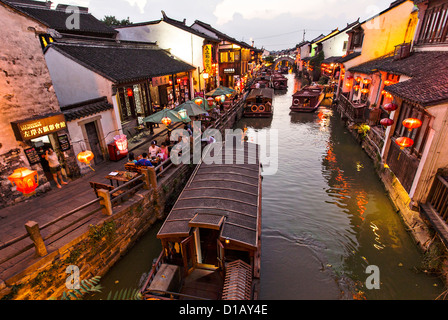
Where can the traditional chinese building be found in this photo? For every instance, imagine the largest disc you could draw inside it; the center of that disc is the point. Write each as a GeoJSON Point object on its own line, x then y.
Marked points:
{"type": "Point", "coordinates": [235, 56]}
{"type": "Point", "coordinates": [31, 119]}
{"type": "Point", "coordinates": [188, 44]}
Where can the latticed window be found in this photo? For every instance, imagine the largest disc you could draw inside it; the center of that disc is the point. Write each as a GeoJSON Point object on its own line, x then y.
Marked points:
{"type": "Point", "coordinates": [434, 26]}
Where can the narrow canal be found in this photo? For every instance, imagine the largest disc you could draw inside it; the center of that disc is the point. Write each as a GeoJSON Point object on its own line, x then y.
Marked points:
{"type": "Point", "coordinates": [326, 218]}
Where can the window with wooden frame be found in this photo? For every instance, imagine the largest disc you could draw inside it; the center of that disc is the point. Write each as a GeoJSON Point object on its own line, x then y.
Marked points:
{"type": "Point", "coordinates": [419, 135]}
{"type": "Point", "coordinates": [434, 26]}
{"type": "Point", "coordinates": [223, 57]}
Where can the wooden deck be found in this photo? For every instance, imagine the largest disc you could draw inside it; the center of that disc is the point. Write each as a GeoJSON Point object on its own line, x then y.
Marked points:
{"type": "Point", "coordinates": [203, 283]}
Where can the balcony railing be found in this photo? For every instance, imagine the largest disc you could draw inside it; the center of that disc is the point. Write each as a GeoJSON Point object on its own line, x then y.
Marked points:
{"type": "Point", "coordinates": [353, 111]}
{"type": "Point", "coordinates": [436, 208]}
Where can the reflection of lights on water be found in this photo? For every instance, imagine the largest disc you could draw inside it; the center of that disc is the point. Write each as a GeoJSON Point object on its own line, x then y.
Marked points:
{"type": "Point", "coordinates": [375, 228]}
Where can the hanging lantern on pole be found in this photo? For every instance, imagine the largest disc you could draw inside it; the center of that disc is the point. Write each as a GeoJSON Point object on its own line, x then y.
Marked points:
{"type": "Point", "coordinates": [85, 157]}
{"type": "Point", "coordinates": [387, 122]}
{"type": "Point", "coordinates": [412, 123]}
{"type": "Point", "coordinates": [404, 142]}
{"type": "Point", "coordinates": [198, 101]}
{"type": "Point", "coordinates": [166, 121]}
{"type": "Point", "coordinates": [25, 180]}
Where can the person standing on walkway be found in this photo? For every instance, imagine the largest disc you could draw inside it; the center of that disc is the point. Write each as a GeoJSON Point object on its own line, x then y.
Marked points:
{"type": "Point", "coordinates": [55, 166]}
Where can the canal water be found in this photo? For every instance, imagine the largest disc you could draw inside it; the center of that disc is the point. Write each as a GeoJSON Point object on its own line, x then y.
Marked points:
{"type": "Point", "coordinates": [326, 218]}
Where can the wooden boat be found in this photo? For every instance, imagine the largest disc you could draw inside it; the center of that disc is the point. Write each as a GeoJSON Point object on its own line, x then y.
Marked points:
{"type": "Point", "coordinates": [262, 82]}
{"type": "Point", "coordinates": [259, 103]}
{"type": "Point", "coordinates": [280, 82]}
{"type": "Point", "coordinates": [308, 99]}
{"type": "Point", "coordinates": [211, 238]}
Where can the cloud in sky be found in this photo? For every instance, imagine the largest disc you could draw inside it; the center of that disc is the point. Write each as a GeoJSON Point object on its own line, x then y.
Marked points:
{"type": "Point", "coordinates": [273, 24]}
{"type": "Point", "coordinates": [315, 9]}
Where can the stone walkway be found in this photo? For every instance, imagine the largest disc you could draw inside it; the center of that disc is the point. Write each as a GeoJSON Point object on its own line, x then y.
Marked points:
{"type": "Point", "coordinates": [54, 203]}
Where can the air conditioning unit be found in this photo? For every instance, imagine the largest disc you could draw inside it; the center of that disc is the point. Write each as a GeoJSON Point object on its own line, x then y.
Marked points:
{"type": "Point", "coordinates": [402, 51]}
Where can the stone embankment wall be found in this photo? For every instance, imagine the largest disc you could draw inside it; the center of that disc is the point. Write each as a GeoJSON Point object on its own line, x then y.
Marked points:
{"type": "Point", "coordinates": [95, 248]}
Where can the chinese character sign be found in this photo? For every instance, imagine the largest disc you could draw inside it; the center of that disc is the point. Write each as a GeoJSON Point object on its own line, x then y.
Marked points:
{"type": "Point", "coordinates": [208, 58]}
{"type": "Point", "coordinates": [31, 129]}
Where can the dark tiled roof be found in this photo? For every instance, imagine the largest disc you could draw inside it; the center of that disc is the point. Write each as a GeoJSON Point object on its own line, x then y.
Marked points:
{"type": "Point", "coordinates": [86, 108]}
{"type": "Point", "coordinates": [428, 72]}
{"type": "Point", "coordinates": [56, 19]}
{"type": "Point", "coordinates": [349, 57]}
{"type": "Point", "coordinates": [123, 63]}
{"type": "Point", "coordinates": [331, 60]}
{"type": "Point", "coordinates": [221, 35]}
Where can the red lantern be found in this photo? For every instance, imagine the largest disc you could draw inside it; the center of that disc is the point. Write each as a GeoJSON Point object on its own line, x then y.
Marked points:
{"type": "Point", "coordinates": [121, 142]}
{"type": "Point", "coordinates": [357, 87]}
{"type": "Point", "coordinates": [166, 121]}
{"type": "Point", "coordinates": [85, 157]}
{"type": "Point", "coordinates": [390, 107]}
{"type": "Point", "coordinates": [25, 180]}
{"type": "Point", "coordinates": [387, 122]}
{"type": "Point", "coordinates": [365, 91]}
{"type": "Point", "coordinates": [210, 101]}
{"type": "Point", "coordinates": [404, 142]}
{"type": "Point", "coordinates": [198, 101]}
{"type": "Point", "coordinates": [130, 92]}
{"type": "Point", "coordinates": [412, 123]}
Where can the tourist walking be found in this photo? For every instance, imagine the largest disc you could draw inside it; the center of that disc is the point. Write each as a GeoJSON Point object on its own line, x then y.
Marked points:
{"type": "Point", "coordinates": [55, 166]}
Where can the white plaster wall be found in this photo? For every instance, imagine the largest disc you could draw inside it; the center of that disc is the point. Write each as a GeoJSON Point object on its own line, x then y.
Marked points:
{"type": "Point", "coordinates": [334, 47]}
{"type": "Point", "coordinates": [73, 82]}
{"type": "Point", "coordinates": [182, 44]}
{"type": "Point", "coordinates": [26, 88]}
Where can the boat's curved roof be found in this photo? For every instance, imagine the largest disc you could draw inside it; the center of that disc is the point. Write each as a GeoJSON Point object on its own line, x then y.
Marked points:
{"type": "Point", "coordinates": [221, 196]}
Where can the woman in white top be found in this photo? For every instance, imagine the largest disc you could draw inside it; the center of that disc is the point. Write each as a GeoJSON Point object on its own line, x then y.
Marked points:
{"type": "Point", "coordinates": [153, 149]}
{"type": "Point", "coordinates": [55, 166]}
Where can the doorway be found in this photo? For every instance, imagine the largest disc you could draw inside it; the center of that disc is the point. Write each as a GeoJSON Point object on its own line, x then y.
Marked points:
{"type": "Point", "coordinates": [94, 142]}
{"type": "Point", "coordinates": [207, 246]}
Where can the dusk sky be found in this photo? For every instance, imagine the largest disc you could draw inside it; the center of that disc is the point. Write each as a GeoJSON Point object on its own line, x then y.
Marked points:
{"type": "Point", "coordinates": [271, 24]}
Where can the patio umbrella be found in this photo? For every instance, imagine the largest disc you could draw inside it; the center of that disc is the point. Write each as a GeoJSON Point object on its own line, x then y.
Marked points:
{"type": "Point", "coordinates": [192, 108]}
{"type": "Point", "coordinates": [221, 90]}
{"type": "Point", "coordinates": [165, 113]}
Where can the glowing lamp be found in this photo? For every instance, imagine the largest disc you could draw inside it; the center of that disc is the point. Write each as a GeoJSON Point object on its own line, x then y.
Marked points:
{"type": "Point", "coordinates": [365, 91]}
{"type": "Point", "coordinates": [183, 114]}
{"type": "Point", "coordinates": [223, 98]}
{"type": "Point", "coordinates": [387, 122]}
{"type": "Point", "coordinates": [366, 81]}
{"type": "Point", "coordinates": [404, 142]}
{"type": "Point", "coordinates": [412, 123]}
{"type": "Point", "coordinates": [166, 121]}
{"type": "Point", "coordinates": [218, 98]}
{"type": "Point", "coordinates": [358, 79]}
{"type": "Point", "coordinates": [348, 84]}
{"type": "Point", "coordinates": [25, 180]}
{"type": "Point", "coordinates": [121, 142]}
{"type": "Point", "coordinates": [390, 107]}
{"type": "Point", "coordinates": [210, 101]}
{"type": "Point", "coordinates": [85, 157]}
{"type": "Point", "coordinates": [357, 87]}
{"type": "Point", "coordinates": [130, 92]}
{"type": "Point", "coordinates": [205, 76]}
{"type": "Point", "coordinates": [198, 101]}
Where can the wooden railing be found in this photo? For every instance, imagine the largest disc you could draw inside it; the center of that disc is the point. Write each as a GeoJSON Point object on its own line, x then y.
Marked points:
{"type": "Point", "coordinates": [439, 197]}
{"type": "Point", "coordinates": [103, 203]}
{"type": "Point", "coordinates": [436, 208]}
{"type": "Point", "coordinates": [354, 112]}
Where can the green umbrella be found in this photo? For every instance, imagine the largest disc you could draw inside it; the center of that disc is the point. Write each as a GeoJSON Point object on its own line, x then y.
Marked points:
{"type": "Point", "coordinates": [221, 90]}
{"type": "Point", "coordinates": [192, 108]}
{"type": "Point", "coordinates": [166, 113]}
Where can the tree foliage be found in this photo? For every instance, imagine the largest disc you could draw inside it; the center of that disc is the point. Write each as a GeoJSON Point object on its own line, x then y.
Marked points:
{"type": "Point", "coordinates": [113, 21]}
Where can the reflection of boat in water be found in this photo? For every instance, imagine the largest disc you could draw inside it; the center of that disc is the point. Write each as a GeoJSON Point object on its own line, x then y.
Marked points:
{"type": "Point", "coordinates": [308, 99]}
{"type": "Point", "coordinates": [211, 237]}
{"type": "Point", "coordinates": [258, 123]}
{"type": "Point", "coordinates": [259, 103]}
